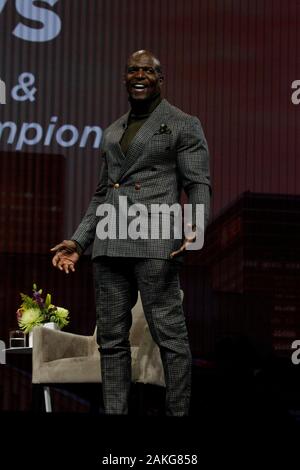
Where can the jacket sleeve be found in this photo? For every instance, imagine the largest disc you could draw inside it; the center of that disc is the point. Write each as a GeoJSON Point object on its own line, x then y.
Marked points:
{"type": "Point", "coordinates": [193, 166]}
{"type": "Point", "coordinates": [85, 232]}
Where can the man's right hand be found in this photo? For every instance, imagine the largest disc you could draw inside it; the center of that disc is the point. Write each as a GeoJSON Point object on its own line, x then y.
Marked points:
{"type": "Point", "coordinates": [66, 256]}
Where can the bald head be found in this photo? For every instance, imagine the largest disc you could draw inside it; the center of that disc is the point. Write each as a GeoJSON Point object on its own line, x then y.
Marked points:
{"type": "Point", "coordinates": [145, 54]}
{"type": "Point", "coordinates": [143, 77]}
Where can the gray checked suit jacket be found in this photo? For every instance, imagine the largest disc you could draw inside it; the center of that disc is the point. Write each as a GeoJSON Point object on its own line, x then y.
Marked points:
{"type": "Point", "coordinates": [169, 153]}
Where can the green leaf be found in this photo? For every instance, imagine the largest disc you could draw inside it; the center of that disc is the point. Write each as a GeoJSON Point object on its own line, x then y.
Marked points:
{"type": "Point", "coordinates": [28, 302]}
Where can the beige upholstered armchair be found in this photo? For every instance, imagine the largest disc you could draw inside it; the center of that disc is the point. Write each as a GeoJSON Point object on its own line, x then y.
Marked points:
{"type": "Point", "coordinates": [60, 357]}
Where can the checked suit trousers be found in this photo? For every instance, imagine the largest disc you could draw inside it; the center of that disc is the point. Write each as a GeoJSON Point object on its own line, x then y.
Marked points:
{"type": "Point", "coordinates": [117, 281]}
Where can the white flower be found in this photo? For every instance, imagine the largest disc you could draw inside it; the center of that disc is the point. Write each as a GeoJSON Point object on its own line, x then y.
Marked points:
{"type": "Point", "coordinates": [61, 316]}
{"type": "Point", "coordinates": [62, 312]}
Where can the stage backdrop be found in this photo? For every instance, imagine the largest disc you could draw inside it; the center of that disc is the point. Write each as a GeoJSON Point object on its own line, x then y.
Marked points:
{"type": "Point", "coordinates": [233, 63]}
{"type": "Point", "coordinates": [229, 62]}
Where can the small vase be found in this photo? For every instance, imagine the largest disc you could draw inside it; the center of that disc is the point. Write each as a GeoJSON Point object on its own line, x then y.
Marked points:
{"type": "Point", "coordinates": [51, 325]}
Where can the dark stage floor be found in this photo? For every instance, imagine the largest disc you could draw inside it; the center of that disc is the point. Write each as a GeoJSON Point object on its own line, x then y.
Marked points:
{"type": "Point", "coordinates": [239, 417]}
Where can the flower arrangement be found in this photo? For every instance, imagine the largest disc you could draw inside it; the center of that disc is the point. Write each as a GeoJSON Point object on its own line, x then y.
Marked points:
{"type": "Point", "coordinates": [36, 310]}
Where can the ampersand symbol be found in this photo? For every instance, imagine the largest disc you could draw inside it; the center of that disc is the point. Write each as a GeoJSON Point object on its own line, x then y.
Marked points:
{"type": "Point", "coordinates": [22, 92]}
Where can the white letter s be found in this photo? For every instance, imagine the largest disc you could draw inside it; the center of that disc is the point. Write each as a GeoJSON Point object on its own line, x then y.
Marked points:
{"type": "Point", "coordinates": [50, 20]}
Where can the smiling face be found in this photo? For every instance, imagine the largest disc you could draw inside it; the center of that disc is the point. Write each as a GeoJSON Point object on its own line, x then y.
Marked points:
{"type": "Point", "coordinates": [143, 78]}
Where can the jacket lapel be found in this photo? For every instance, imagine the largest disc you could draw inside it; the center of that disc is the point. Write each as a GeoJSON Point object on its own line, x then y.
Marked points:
{"type": "Point", "coordinates": [115, 136]}
{"type": "Point", "coordinates": [150, 127]}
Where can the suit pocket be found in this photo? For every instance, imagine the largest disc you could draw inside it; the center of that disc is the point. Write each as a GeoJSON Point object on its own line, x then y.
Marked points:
{"type": "Point", "coordinates": [161, 143]}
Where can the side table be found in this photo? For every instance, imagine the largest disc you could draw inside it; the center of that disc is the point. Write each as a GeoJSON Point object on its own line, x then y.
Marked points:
{"type": "Point", "coordinates": [21, 359]}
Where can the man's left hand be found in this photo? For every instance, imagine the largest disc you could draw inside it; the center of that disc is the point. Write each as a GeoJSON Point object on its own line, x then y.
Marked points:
{"type": "Point", "coordinates": [187, 241]}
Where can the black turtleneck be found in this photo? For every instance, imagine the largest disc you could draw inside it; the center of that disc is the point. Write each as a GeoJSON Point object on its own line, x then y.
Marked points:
{"type": "Point", "coordinates": [140, 111]}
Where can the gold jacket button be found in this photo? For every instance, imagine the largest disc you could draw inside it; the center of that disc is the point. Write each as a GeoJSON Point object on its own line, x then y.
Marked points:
{"type": "Point", "coordinates": [116, 185]}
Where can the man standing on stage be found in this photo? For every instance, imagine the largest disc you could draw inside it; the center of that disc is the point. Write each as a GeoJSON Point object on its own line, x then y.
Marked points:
{"type": "Point", "coordinates": [149, 155]}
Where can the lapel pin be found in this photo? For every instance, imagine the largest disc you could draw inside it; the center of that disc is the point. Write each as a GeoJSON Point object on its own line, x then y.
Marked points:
{"type": "Point", "coordinates": [164, 129]}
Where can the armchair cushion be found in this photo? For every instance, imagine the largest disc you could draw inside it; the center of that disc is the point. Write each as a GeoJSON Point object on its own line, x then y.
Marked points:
{"type": "Point", "coordinates": [80, 369]}
{"type": "Point", "coordinates": [60, 357]}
